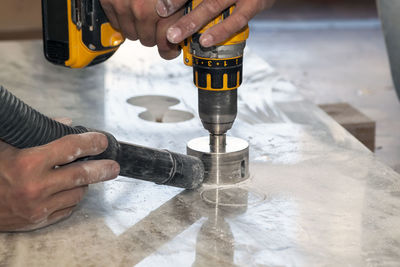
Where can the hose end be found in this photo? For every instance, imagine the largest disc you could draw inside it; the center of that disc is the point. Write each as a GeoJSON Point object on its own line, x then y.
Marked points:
{"type": "Point", "coordinates": [188, 172]}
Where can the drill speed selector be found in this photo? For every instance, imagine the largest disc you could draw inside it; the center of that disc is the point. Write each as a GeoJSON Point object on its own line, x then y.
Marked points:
{"type": "Point", "coordinates": [217, 74]}
{"type": "Point", "coordinates": [218, 67]}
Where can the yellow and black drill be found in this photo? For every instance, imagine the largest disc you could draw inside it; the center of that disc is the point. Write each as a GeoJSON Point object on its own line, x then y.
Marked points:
{"type": "Point", "coordinates": [77, 34]}
{"type": "Point", "coordinates": [217, 73]}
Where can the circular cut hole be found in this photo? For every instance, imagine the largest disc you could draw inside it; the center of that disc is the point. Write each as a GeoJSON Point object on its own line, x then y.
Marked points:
{"type": "Point", "coordinates": [147, 101]}
{"type": "Point", "coordinates": [158, 109]}
{"type": "Point", "coordinates": [170, 116]}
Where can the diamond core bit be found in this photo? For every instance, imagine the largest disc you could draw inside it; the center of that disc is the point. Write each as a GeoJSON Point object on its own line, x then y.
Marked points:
{"type": "Point", "coordinates": [222, 168]}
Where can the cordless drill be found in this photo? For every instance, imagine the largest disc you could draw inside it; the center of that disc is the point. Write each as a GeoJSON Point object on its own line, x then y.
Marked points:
{"type": "Point", "coordinates": [217, 73]}
{"type": "Point", "coordinates": [77, 34]}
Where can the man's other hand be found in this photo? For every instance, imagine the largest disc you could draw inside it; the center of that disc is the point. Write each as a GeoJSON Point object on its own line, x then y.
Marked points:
{"type": "Point", "coordinates": [40, 186]}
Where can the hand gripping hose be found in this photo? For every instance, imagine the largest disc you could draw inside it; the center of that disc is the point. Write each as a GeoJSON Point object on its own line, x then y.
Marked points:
{"type": "Point", "coordinates": [21, 126]}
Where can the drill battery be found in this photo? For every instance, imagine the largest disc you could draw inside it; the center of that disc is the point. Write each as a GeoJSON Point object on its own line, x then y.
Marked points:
{"type": "Point", "coordinates": [77, 33]}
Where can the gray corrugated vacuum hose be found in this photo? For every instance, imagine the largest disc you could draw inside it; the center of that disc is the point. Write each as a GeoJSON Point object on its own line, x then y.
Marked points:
{"type": "Point", "coordinates": [21, 126]}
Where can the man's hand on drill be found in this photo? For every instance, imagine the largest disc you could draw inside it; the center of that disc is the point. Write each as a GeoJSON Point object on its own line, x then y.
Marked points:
{"type": "Point", "coordinates": [206, 12]}
{"type": "Point", "coordinates": [138, 20]}
{"type": "Point", "coordinates": [37, 188]}
{"type": "Point", "coordinates": [161, 22]}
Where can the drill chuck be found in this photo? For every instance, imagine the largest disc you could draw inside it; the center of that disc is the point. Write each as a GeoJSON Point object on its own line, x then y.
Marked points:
{"type": "Point", "coordinates": [217, 80]}
{"type": "Point", "coordinates": [217, 110]}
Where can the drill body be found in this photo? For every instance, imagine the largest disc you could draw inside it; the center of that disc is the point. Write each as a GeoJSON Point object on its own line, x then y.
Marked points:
{"type": "Point", "coordinates": [217, 73]}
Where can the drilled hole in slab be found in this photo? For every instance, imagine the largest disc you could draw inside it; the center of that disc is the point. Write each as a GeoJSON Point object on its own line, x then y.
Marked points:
{"type": "Point", "coordinates": [153, 100]}
{"type": "Point", "coordinates": [169, 116]}
{"type": "Point", "coordinates": [158, 109]}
